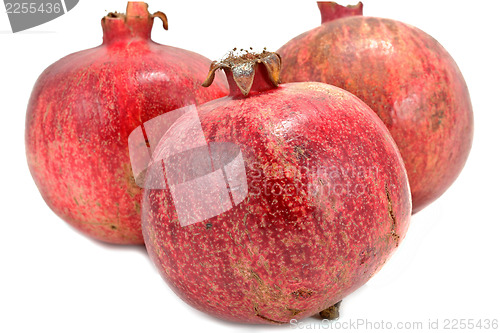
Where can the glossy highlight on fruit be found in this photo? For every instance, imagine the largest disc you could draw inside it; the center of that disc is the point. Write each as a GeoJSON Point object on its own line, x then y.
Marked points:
{"type": "Point", "coordinates": [82, 110]}
{"type": "Point", "coordinates": [275, 202]}
{"type": "Point", "coordinates": [405, 76]}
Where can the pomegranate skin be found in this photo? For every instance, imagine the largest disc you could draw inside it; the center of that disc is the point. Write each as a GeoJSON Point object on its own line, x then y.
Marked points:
{"type": "Point", "coordinates": [280, 255]}
{"type": "Point", "coordinates": [405, 76]}
{"type": "Point", "coordinates": [83, 108]}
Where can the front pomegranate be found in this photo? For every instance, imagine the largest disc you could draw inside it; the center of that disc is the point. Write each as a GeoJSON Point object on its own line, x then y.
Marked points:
{"type": "Point", "coordinates": [274, 202]}
{"type": "Point", "coordinates": [82, 110]}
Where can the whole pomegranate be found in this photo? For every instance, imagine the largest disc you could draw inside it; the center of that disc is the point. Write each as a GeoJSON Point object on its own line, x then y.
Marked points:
{"type": "Point", "coordinates": [405, 76]}
{"type": "Point", "coordinates": [274, 202]}
{"type": "Point", "coordinates": [83, 108]}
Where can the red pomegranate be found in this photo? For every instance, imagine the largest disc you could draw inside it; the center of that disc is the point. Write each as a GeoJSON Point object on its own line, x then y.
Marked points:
{"type": "Point", "coordinates": [405, 76]}
{"type": "Point", "coordinates": [83, 108]}
{"type": "Point", "coordinates": [274, 202]}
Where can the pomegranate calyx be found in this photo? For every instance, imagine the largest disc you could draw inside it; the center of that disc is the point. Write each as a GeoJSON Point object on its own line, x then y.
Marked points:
{"type": "Point", "coordinates": [136, 22]}
{"type": "Point", "coordinates": [139, 10]}
{"type": "Point", "coordinates": [331, 10]}
{"type": "Point", "coordinates": [243, 69]}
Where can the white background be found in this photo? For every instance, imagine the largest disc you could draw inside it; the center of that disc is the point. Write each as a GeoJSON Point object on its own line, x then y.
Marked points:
{"type": "Point", "coordinates": [53, 279]}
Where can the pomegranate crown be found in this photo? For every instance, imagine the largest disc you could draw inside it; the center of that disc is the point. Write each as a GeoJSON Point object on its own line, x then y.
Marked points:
{"type": "Point", "coordinates": [136, 22]}
{"type": "Point", "coordinates": [243, 68]}
{"type": "Point", "coordinates": [331, 10]}
{"type": "Point", "coordinates": [139, 10]}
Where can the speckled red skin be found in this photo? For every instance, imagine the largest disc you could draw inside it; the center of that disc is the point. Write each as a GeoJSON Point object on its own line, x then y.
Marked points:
{"type": "Point", "coordinates": [275, 257]}
{"type": "Point", "coordinates": [407, 78]}
{"type": "Point", "coordinates": [81, 111]}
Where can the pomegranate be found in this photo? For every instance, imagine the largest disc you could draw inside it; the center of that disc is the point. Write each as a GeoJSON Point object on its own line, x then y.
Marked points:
{"type": "Point", "coordinates": [405, 76]}
{"type": "Point", "coordinates": [274, 202]}
{"type": "Point", "coordinates": [83, 108]}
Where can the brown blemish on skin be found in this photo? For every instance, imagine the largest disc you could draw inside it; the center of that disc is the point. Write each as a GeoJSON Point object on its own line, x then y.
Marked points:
{"type": "Point", "coordinates": [137, 207]}
{"type": "Point", "coordinates": [257, 313]}
{"type": "Point", "coordinates": [364, 258]}
{"type": "Point", "coordinates": [302, 293]}
{"type": "Point", "coordinates": [294, 312]}
{"type": "Point", "coordinates": [256, 277]}
{"type": "Point", "coordinates": [300, 152]}
{"type": "Point", "coordinates": [113, 227]}
{"type": "Point", "coordinates": [394, 235]}
{"type": "Point", "coordinates": [437, 119]}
